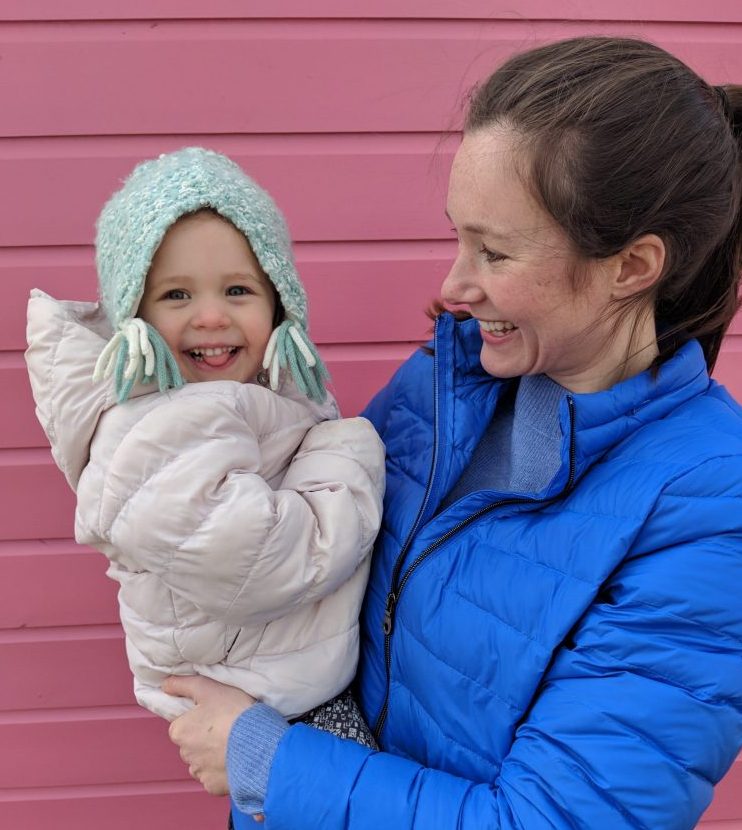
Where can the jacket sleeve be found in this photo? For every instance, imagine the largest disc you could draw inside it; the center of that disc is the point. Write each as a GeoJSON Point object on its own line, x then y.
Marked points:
{"type": "Point", "coordinates": [183, 499]}
{"type": "Point", "coordinates": [639, 716]}
{"type": "Point", "coordinates": [60, 358]}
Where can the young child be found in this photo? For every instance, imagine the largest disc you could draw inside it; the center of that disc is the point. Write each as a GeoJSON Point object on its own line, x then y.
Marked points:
{"type": "Point", "coordinates": [238, 515]}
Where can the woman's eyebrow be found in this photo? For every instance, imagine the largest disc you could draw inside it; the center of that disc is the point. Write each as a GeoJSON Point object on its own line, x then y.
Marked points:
{"type": "Point", "coordinates": [482, 230]}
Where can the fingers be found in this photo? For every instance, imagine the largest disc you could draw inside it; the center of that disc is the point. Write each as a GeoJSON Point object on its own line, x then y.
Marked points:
{"type": "Point", "coordinates": [185, 686]}
{"type": "Point", "coordinates": [174, 731]}
{"type": "Point", "coordinates": [204, 690]}
{"type": "Point", "coordinates": [211, 782]}
{"type": "Point", "coordinates": [201, 733]}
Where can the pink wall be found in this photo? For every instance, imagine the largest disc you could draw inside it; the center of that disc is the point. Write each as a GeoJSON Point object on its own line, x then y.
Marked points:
{"type": "Point", "coordinates": [339, 117]}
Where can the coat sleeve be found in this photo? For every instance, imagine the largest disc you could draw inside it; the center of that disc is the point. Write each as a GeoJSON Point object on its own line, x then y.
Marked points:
{"type": "Point", "coordinates": [185, 501]}
{"type": "Point", "coordinates": [63, 345]}
{"type": "Point", "coordinates": [639, 716]}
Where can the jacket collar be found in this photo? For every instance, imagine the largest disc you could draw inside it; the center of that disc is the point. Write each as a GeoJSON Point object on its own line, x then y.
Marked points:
{"type": "Point", "coordinates": [601, 419]}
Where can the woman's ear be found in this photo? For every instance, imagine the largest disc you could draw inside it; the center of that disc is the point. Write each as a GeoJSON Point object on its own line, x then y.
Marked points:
{"type": "Point", "coordinates": [638, 266]}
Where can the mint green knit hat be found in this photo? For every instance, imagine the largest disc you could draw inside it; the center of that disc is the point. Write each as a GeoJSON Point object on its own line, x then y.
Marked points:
{"type": "Point", "coordinates": [131, 227]}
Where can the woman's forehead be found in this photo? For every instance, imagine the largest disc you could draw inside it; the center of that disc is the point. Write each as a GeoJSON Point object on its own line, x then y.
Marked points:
{"type": "Point", "coordinates": [486, 193]}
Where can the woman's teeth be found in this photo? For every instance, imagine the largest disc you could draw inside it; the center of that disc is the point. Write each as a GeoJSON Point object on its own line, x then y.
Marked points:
{"type": "Point", "coordinates": [497, 327]}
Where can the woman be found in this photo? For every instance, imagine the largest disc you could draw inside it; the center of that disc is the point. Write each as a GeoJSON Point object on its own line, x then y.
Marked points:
{"type": "Point", "coordinates": [552, 626]}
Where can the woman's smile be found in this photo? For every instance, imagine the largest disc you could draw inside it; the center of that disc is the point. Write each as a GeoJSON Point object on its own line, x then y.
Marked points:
{"type": "Point", "coordinates": [497, 331]}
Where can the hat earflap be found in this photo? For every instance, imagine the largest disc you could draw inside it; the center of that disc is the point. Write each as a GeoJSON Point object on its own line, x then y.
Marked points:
{"type": "Point", "coordinates": [137, 353]}
{"type": "Point", "coordinates": [289, 347]}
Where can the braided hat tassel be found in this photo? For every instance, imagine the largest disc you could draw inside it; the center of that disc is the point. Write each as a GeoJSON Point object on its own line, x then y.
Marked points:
{"type": "Point", "coordinates": [290, 348]}
{"type": "Point", "coordinates": [137, 353]}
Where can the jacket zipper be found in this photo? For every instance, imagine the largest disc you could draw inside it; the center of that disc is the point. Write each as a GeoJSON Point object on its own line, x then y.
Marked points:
{"type": "Point", "coordinates": [395, 592]}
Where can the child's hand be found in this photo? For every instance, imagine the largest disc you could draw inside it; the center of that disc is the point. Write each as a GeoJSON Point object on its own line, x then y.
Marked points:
{"type": "Point", "coordinates": [202, 732]}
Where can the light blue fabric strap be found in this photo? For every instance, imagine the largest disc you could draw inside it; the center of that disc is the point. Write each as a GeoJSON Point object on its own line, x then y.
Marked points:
{"type": "Point", "coordinates": [150, 360]}
{"type": "Point", "coordinates": [290, 349]}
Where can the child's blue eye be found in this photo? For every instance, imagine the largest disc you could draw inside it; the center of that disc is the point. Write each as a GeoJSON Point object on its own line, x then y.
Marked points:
{"type": "Point", "coordinates": [238, 290]}
{"type": "Point", "coordinates": [176, 294]}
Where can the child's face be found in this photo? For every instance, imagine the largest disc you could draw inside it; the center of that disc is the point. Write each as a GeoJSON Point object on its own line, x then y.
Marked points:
{"type": "Point", "coordinates": [209, 299]}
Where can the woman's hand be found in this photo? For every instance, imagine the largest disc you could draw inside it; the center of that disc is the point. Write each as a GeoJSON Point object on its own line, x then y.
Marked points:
{"type": "Point", "coordinates": [202, 733]}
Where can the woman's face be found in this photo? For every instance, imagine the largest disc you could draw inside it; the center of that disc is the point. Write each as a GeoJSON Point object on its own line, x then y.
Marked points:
{"type": "Point", "coordinates": [513, 270]}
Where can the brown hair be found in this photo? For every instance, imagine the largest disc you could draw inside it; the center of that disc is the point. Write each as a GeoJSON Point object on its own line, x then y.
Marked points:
{"type": "Point", "coordinates": [622, 139]}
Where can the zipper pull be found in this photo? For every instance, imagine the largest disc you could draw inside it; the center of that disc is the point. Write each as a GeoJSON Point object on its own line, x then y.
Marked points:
{"type": "Point", "coordinates": [388, 623]}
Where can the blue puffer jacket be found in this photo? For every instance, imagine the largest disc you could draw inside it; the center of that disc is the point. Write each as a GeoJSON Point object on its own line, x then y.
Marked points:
{"type": "Point", "coordinates": [564, 659]}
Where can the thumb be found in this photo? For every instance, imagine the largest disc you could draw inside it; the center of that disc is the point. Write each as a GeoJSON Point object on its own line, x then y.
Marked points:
{"type": "Point", "coordinates": [182, 686]}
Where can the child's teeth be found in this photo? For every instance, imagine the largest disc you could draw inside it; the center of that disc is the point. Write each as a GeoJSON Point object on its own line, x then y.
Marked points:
{"type": "Point", "coordinates": [212, 352]}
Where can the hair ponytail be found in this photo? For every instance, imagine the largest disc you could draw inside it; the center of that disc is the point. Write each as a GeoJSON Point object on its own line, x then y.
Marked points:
{"type": "Point", "coordinates": [706, 311]}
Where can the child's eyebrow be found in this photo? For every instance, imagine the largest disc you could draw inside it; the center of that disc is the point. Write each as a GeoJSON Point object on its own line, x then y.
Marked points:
{"type": "Point", "coordinates": [245, 275]}
{"type": "Point", "coordinates": [173, 278]}
{"type": "Point", "coordinates": [228, 275]}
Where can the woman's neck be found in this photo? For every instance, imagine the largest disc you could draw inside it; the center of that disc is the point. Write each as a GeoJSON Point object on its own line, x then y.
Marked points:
{"type": "Point", "coordinates": [630, 348]}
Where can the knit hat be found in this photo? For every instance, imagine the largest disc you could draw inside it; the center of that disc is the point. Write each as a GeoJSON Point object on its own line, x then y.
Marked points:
{"type": "Point", "coordinates": [131, 227]}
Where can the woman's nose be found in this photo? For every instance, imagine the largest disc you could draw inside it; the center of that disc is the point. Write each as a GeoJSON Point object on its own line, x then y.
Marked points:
{"type": "Point", "coordinates": [461, 286]}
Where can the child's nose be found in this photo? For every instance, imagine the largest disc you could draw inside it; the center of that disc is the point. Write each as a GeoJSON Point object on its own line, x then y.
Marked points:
{"type": "Point", "coordinates": [211, 315]}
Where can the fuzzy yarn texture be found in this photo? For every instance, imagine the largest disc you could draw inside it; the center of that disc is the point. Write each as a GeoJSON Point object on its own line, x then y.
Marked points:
{"type": "Point", "coordinates": [136, 218]}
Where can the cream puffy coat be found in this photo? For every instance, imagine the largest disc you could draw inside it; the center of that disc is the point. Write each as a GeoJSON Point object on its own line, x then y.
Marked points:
{"type": "Point", "coordinates": [238, 522]}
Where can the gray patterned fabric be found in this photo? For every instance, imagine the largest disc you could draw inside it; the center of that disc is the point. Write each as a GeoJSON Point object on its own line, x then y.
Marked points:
{"type": "Point", "coordinates": [342, 717]}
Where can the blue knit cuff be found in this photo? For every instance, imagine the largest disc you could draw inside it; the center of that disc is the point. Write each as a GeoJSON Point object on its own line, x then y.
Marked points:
{"type": "Point", "coordinates": [251, 746]}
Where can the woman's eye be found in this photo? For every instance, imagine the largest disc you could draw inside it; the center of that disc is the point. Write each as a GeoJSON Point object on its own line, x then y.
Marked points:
{"type": "Point", "coordinates": [176, 294]}
{"type": "Point", "coordinates": [238, 290]}
{"type": "Point", "coordinates": [490, 256]}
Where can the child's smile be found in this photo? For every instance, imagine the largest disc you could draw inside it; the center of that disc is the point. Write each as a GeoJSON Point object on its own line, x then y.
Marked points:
{"type": "Point", "coordinates": [215, 358]}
